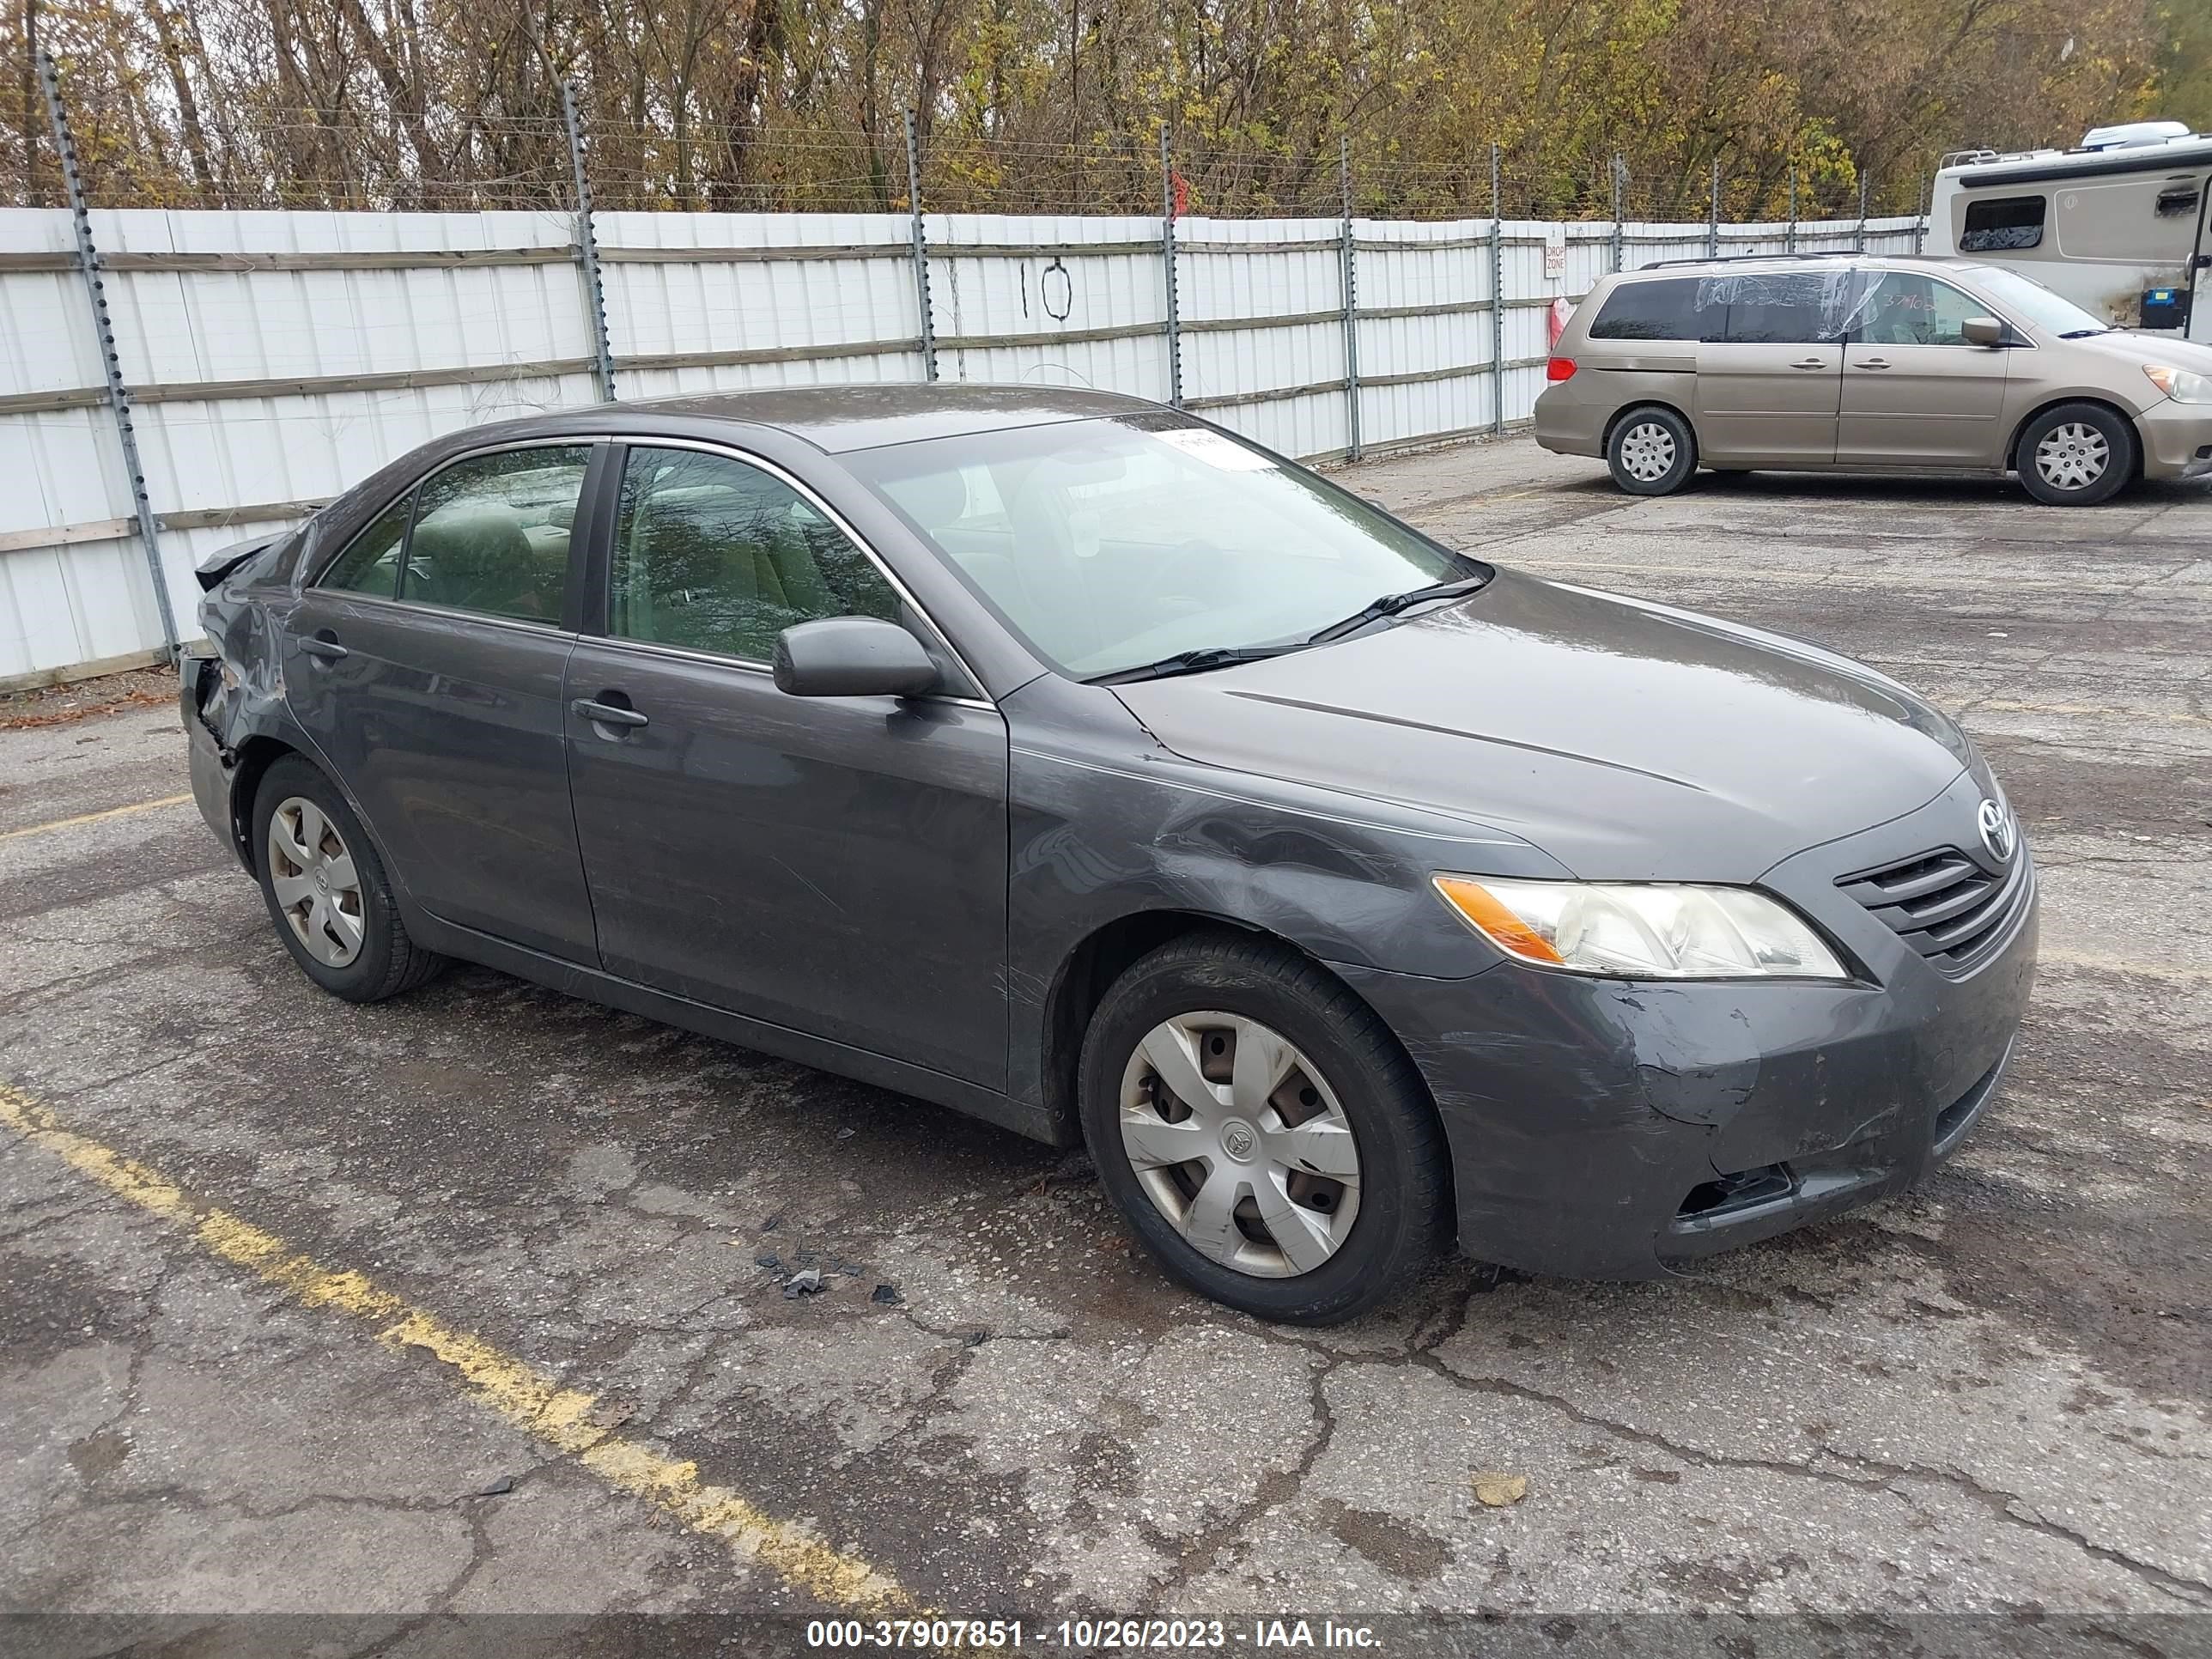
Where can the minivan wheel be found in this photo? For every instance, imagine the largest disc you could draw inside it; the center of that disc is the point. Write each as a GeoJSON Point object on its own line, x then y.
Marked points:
{"type": "Point", "coordinates": [1651, 451]}
{"type": "Point", "coordinates": [1261, 1131]}
{"type": "Point", "coordinates": [327, 891]}
{"type": "Point", "coordinates": [2076, 455]}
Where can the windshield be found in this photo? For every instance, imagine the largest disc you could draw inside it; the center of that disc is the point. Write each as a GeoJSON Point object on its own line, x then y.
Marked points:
{"type": "Point", "coordinates": [2030, 300]}
{"type": "Point", "coordinates": [1111, 545]}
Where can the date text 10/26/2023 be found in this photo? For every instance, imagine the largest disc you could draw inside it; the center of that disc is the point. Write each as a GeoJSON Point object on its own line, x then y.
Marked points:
{"type": "Point", "coordinates": [1091, 1635]}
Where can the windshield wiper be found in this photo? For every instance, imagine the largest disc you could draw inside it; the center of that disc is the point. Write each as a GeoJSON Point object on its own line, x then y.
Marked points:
{"type": "Point", "coordinates": [1391, 603]}
{"type": "Point", "coordinates": [2084, 333]}
{"type": "Point", "coordinates": [1195, 662]}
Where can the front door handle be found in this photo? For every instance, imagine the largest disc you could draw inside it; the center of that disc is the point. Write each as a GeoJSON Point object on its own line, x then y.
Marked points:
{"type": "Point", "coordinates": [1871, 362]}
{"type": "Point", "coordinates": [324, 645]}
{"type": "Point", "coordinates": [1812, 362]}
{"type": "Point", "coordinates": [608, 714]}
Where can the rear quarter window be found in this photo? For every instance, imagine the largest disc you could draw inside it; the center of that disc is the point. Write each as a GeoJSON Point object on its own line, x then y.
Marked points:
{"type": "Point", "coordinates": [1663, 308]}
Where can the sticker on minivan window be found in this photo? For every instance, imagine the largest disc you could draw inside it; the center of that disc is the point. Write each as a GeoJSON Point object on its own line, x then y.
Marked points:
{"type": "Point", "coordinates": [1214, 449]}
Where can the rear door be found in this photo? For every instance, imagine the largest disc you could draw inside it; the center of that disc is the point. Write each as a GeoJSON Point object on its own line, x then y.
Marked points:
{"type": "Point", "coordinates": [1915, 392]}
{"type": "Point", "coordinates": [1770, 368]}
{"type": "Point", "coordinates": [426, 664]}
{"type": "Point", "coordinates": [837, 865]}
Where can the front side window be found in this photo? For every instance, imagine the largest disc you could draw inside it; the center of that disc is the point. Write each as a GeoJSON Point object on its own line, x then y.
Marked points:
{"type": "Point", "coordinates": [1997, 224]}
{"type": "Point", "coordinates": [1906, 308]}
{"type": "Point", "coordinates": [370, 563]}
{"type": "Point", "coordinates": [1113, 544]}
{"type": "Point", "coordinates": [713, 555]}
{"type": "Point", "coordinates": [491, 533]}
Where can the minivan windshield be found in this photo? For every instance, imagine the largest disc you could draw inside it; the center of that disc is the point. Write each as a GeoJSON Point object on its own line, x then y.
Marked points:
{"type": "Point", "coordinates": [2030, 300]}
{"type": "Point", "coordinates": [1115, 545]}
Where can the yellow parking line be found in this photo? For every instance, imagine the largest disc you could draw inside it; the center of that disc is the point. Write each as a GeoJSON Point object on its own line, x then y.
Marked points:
{"type": "Point", "coordinates": [95, 818]}
{"type": "Point", "coordinates": [512, 1389]}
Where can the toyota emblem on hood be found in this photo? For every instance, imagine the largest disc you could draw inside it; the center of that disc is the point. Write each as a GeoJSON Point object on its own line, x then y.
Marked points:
{"type": "Point", "coordinates": [1996, 827]}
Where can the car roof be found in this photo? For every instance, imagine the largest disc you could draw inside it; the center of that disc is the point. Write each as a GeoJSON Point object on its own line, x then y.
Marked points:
{"type": "Point", "coordinates": [838, 419]}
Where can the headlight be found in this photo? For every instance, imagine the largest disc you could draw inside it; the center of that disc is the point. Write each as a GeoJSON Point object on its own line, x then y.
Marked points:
{"type": "Point", "coordinates": [2179, 384]}
{"type": "Point", "coordinates": [1637, 930]}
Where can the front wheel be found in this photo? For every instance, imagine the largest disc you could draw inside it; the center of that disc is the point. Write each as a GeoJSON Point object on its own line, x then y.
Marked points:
{"type": "Point", "coordinates": [1261, 1131]}
{"type": "Point", "coordinates": [2076, 455]}
{"type": "Point", "coordinates": [1651, 451]}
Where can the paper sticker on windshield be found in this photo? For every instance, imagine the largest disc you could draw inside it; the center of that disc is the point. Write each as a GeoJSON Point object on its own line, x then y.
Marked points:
{"type": "Point", "coordinates": [1215, 450]}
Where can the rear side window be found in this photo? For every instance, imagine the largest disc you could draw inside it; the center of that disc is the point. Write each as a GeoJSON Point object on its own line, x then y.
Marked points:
{"type": "Point", "coordinates": [491, 533]}
{"type": "Point", "coordinates": [1996, 224]}
{"type": "Point", "coordinates": [370, 563]}
{"type": "Point", "coordinates": [1664, 308]}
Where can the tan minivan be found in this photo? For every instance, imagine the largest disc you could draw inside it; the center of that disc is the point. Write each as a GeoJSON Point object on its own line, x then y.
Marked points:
{"type": "Point", "coordinates": [1867, 363]}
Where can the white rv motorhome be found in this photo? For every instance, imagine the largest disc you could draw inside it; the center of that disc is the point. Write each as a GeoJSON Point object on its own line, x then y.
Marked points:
{"type": "Point", "coordinates": [2116, 225]}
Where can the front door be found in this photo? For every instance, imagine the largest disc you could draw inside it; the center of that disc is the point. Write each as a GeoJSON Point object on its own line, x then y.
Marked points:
{"type": "Point", "coordinates": [1915, 392]}
{"type": "Point", "coordinates": [833, 864]}
{"type": "Point", "coordinates": [426, 664]}
{"type": "Point", "coordinates": [1770, 368]}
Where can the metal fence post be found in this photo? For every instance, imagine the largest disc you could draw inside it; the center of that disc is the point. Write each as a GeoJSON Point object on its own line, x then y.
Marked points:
{"type": "Point", "coordinates": [1168, 264]}
{"type": "Point", "coordinates": [588, 251]}
{"type": "Point", "coordinates": [1713, 216]}
{"type": "Point", "coordinates": [1791, 246]}
{"type": "Point", "coordinates": [1619, 231]}
{"type": "Point", "coordinates": [1497, 296]}
{"type": "Point", "coordinates": [119, 396]}
{"type": "Point", "coordinates": [1351, 299]}
{"type": "Point", "coordinates": [1920, 229]}
{"type": "Point", "coordinates": [1859, 237]}
{"type": "Point", "coordinates": [920, 250]}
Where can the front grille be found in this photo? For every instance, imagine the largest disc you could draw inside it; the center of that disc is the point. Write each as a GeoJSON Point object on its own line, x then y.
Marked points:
{"type": "Point", "coordinates": [1946, 907]}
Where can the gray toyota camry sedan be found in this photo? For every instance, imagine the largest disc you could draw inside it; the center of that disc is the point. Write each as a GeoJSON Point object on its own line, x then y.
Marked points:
{"type": "Point", "coordinates": [1065, 760]}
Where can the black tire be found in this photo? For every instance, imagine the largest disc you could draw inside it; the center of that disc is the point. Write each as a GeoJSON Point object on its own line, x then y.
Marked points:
{"type": "Point", "coordinates": [388, 961]}
{"type": "Point", "coordinates": [1401, 1223]}
{"type": "Point", "coordinates": [2075, 430]}
{"type": "Point", "coordinates": [1643, 438]}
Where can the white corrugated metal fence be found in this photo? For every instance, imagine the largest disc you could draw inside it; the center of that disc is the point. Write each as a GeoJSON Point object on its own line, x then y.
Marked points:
{"type": "Point", "coordinates": [275, 358]}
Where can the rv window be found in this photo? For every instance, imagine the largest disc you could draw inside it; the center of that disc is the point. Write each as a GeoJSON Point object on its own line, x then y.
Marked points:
{"type": "Point", "coordinates": [1664, 309]}
{"type": "Point", "coordinates": [2180, 197]}
{"type": "Point", "coordinates": [1995, 224]}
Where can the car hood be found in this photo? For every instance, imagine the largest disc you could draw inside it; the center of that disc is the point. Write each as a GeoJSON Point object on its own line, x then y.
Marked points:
{"type": "Point", "coordinates": [1626, 740]}
{"type": "Point", "coordinates": [2133, 347]}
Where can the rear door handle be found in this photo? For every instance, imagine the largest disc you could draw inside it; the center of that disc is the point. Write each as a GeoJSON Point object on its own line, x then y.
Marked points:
{"type": "Point", "coordinates": [1812, 362]}
{"type": "Point", "coordinates": [1871, 362]}
{"type": "Point", "coordinates": [324, 645]}
{"type": "Point", "coordinates": [608, 714]}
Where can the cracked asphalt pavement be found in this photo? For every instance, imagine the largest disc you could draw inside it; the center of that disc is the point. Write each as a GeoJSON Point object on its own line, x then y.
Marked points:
{"type": "Point", "coordinates": [1989, 1394]}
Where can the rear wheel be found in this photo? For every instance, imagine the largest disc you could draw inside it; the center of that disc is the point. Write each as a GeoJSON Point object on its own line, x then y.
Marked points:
{"type": "Point", "coordinates": [1651, 451]}
{"type": "Point", "coordinates": [1261, 1131]}
{"type": "Point", "coordinates": [2076, 455]}
{"type": "Point", "coordinates": [327, 891]}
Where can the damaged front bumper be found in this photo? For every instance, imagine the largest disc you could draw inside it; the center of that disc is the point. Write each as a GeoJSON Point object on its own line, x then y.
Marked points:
{"type": "Point", "coordinates": [1609, 1129]}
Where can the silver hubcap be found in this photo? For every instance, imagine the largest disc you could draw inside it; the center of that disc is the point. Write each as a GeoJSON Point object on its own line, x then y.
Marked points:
{"type": "Point", "coordinates": [1647, 452]}
{"type": "Point", "coordinates": [315, 882]}
{"type": "Point", "coordinates": [2073, 456]}
{"type": "Point", "coordinates": [1238, 1140]}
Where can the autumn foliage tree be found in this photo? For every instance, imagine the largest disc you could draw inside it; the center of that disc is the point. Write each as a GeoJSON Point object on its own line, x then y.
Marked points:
{"type": "Point", "coordinates": [1057, 105]}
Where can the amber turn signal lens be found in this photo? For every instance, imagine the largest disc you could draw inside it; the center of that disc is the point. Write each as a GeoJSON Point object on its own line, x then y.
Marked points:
{"type": "Point", "coordinates": [1559, 368]}
{"type": "Point", "coordinates": [1503, 928]}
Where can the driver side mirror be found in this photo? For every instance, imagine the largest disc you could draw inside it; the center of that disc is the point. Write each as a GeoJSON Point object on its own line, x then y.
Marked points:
{"type": "Point", "coordinates": [852, 657]}
{"type": "Point", "coordinates": [1986, 331]}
